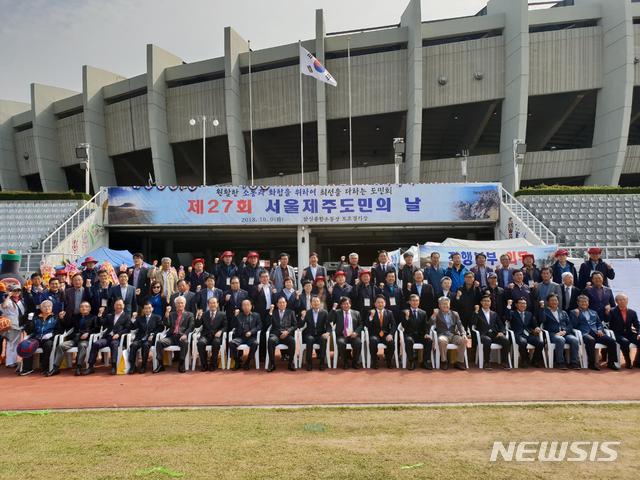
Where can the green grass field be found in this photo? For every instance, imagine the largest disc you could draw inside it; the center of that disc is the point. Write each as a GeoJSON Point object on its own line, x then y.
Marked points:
{"type": "Point", "coordinates": [309, 443]}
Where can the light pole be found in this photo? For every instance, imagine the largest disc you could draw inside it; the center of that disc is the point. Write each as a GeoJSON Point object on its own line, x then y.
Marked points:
{"type": "Point", "coordinates": [519, 150]}
{"type": "Point", "coordinates": [83, 152]}
{"type": "Point", "coordinates": [463, 164]}
{"type": "Point", "coordinates": [203, 119]}
{"type": "Point", "coordinates": [398, 152]}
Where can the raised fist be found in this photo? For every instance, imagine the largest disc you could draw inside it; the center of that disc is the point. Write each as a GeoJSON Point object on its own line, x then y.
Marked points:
{"type": "Point", "coordinates": [476, 308]}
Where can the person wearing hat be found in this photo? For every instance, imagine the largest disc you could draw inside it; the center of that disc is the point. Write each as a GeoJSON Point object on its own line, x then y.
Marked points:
{"type": "Point", "coordinates": [225, 270]}
{"type": "Point", "coordinates": [339, 289]}
{"type": "Point", "coordinates": [197, 277]}
{"type": "Point", "coordinates": [61, 275]}
{"type": "Point", "coordinates": [250, 274]}
{"type": "Point", "coordinates": [313, 270]}
{"type": "Point", "coordinates": [405, 273]}
{"type": "Point", "coordinates": [281, 271]}
{"type": "Point", "coordinates": [480, 269]}
{"type": "Point", "coordinates": [492, 330]}
{"type": "Point", "coordinates": [89, 273]}
{"type": "Point", "coordinates": [320, 290]}
{"type": "Point", "coordinates": [562, 265]}
{"type": "Point", "coordinates": [13, 308]}
{"type": "Point", "coordinates": [364, 294]}
{"type": "Point", "coordinates": [530, 270]}
{"type": "Point", "coordinates": [594, 264]}
{"type": "Point", "coordinates": [139, 276]}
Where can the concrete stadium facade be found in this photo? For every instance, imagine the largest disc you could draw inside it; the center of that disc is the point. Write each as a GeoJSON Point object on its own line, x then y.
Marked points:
{"type": "Point", "coordinates": [564, 79]}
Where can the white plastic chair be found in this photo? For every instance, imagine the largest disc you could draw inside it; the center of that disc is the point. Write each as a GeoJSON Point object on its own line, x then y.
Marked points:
{"type": "Point", "coordinates": [599, 346]}
{"type": "Point", "coordinates": [551, 347]}
{"type": "Point", "coordinates": [243, 348]}
{"type": "Point", "coordinates": [301, 347]}
{"type": "Point", "coordinates": [480, 351]}
{"type": "Point", "coordinates": [348, 347]}
{"type": "Point", "coordinates": [59, 339]}
{"type": "Point", "coordinates": [450, 346]}
{"type": "Point", "coordinates": [195, 355]}
{"type": "Point", "coordinates": [416, 346]}
{"type": "Point", "coordinates": [515, 348]}
{"type": "Point", "coordinates": [279, 346]}
{"type": "Point", "coordinates": [171, 348]}
{"type": "Point", "coordinates": [383, 347]}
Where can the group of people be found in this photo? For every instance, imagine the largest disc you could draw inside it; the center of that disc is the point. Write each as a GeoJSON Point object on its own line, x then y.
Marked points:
{"type": "Point", "coordinates": [442, 305]}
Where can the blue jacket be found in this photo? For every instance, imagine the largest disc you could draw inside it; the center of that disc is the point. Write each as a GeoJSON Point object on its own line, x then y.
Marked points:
{"type": "Point", "coordinates": [500, 273]}
{"type": "Point", "coordinates": [434, 277]}
{"type": "Point", "coordinates": [40, 328]}
{"type": "Point", "coordinates": [552, 325]}
{"type": "Point", "coordinates": [599, 300]}
{"type": "Point", "coordinates": [457, 277]}
{"type": "Point", "coordinates": [588, 321]}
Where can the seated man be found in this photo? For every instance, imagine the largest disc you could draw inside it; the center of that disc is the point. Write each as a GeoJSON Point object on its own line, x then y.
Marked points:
{"type": "Point", "coordinates": [526, 331]}
{"type": "Point", "coordinates": [147, 326]}
{"type": "Point", "coordinates": [115, 325]}
{"type": "Point", "coordinates": [449, 330]}
{"type": "Point", "coordinates": [314, 324]}
{"type": "Point", "coordinates": [588, 322]}
{"type": "Point", "coordinates": [622, 321]}
{"type": "Point", "coordinates": [491, 330]}
{"type": "Point", "coordinates": [84, 324]}
{"type": "Point", "coordinates": [416, 325]}
{"type": "Point", "coordinates": [246, 325]}
{"type": "Point", "coordinates": [214, 324]}
{"type": "Point", "coordinates": [382, 327]}
{"type": "Point", "coordinates": [557, 323]}
{"type": "Point", "coordinates": [283, 326]}
{"type": "Point", "coordinates": [348, 329]}
{"type": "Point", "coordinates": [179, 325]}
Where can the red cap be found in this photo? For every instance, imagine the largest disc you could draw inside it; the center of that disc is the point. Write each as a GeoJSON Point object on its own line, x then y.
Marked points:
{"type": "Point", "coordinates": [196, 260]}
{"type": "Point", "coordinates": [363, 272]}
{"type": "Point", "coordinates": [562, 251]}
{"type": "Point", "coordinates": [89, 260]}
{"type": "Point", "coordinates": [319, 277]}
{"type": "Point", "coordinates": [227, 253]}
{"type": "Point", "coordinates": [594, 250]}
{"type": "Point", "coordinates": [253, 254]}
{"type": "Point", "coordinates": [528, 255]}
{"type": "Point", "coordinates": [339, 272]}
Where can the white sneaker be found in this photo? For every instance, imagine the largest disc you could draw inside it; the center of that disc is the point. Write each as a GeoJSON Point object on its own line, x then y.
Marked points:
{"type": "Point", "coordinates": [25, 373]}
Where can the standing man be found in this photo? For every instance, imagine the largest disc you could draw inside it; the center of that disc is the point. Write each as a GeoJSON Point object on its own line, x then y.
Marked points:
{"type": "Point", "coordinates": [364, 293]}
{"type": "Point", "coordinates": [481, 271]}
{"type": "Point", "coordinates": [313, 270]}
{"type": "Point", "coordinates": [99, 292]}
{"type": "Point", "coordinates": [283, 326]}
{"type": "Point", "coordinates": [393, 295]}
{"type": "Point", "coordinates": [382, 327]}
{"type": "Point", "coordinates": [207, 293]}
{"type": "Point", "coordinates": [179, 324]}
{"type": "Point", "coordinates": [340, 289]}
{"type": "Point", "coordinates": [166, 276]}
{"type": "Point", "coordinates": [233, 298]}
{"type": "Point", "coordinates": [467, 297]}
{"type": "Point", "coordinates": [383, 266]}
{"type": "Point", "coordinates": [125, 292]}
{"type": "Point", "coordinates": [74, 296]}
{"type": "Point", "coordinates": [417, 328]}
{"type": "Point", "coordinates": [185, 291]}
{"type": "Point", "coordinates": [496, 293]}
{"type": "Point", "coordinates": [456, 271]}
{"type": "Point", "coordinates": [315, 325]}
{"type": "Point", "coordinates": [264, 300]}
{"type": "Point", "coordinates": [89, 273]}
{"type": "Point", "coordinates": [139, 275]}
{"type": "Point", "coordinates": [434, 272]}
{"type": "Point", "coordinates": [569, 293]}
{"type": "Point", "coordinates": [424, 291]}
{"type": "Point", "coordinates": [405, 274]}
{"type": "Point", "coordinates": [348, 329]}
{"type": "Point", "coordinates": [250, 274]}
{"type": "Point", "coordinates": [283, 271]}
{"type": "Point", "coordinates": [352, 270]}
{"type": "Point", "coordinates": [505, 271]}
{"type": "Point", "coordinates": [546, 287]}
{"type": "Point", "coordinates": [595, 264]}
{"type": "Point", "coordinates": [600, 297]}
{"type": "Point", "coordinates": [225, 271]}
{"type": "Point", "coordinates": [197, 277]}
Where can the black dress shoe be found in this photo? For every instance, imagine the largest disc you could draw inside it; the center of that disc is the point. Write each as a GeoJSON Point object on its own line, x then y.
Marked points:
{"type": "Point", "coordinates": [158, 369]}
{"type": "Point", "coordinates": [55, 371]}
{"type": "Point", "coordinates": [291, 367]}
{"type": "Point", "coordinates": [594, 366]}
{"type": "Point", "coordinates": [374, 365]}
{"type": "Point", "coordinates": [444, 365]}
{"type": "Point", "coordinates": [356, 366]}
{"type": "Point", "coordinates": [613, 366]}
{"type": "Point", "coordinates": [245, 366]}
{"type": "Point", "coordinates": [321, 367]}
{"type": "Point", "coordinates": [142, 370]}
{"type": "Point", "coordinates": [345, 366]}
{"type": "Point", "coordinates": [114, 370]}
{"type": "Point", "coordinates": [428, 366]}
{"type": "Point", "coordinates": [213, 367]}
{"type": "Point", "coordinates": [460, 366]}
{"type": "Point", "coordinates": [271, 368]}
{"type": "Point", "coordinates": [412, 366]}
{"type": "Point", "coordinates": [388, 362]}
{"type": "Point", "coordinates": [131, 371]}
{"type": "Point", "coordinates": [88, 371]}
{"type": "Point", "coordinates": [204, 368]}
{"type": "Point", "coordinates": [560, 366]}
{"type": "Point", "coordinates": [487, 366]}
{"type": "Point", "coordinates": [309, 367]}
{"type": "Point", "coordinates": [181, 368]}
{"type": "Point", "coordinates": [505, 366]}
{"type": "Point", "coordinates": [78, 372]}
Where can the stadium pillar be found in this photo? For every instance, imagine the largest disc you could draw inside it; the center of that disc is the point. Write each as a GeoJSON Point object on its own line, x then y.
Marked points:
{"type": "Point", "coordinates": [613, 109]}
{"type": "Point", "coordinates": [45, 136]}
{"type": "Point", "coordinates": [95, 134]}
{"type": "Point", "coordinates": [412, 20]}
{"type": "Point", "coordinates": [164, 169]}
{"type": "Point", "coordinates": [234, 45]}
{"type": "Point", "coordinates": [303, 249]}
{"type": "Point", "coordinates": [321, 103]}
{"type": "Point", "coordinates": [10, 178]}
{"type": "Point", "coordinates": [516, 84]}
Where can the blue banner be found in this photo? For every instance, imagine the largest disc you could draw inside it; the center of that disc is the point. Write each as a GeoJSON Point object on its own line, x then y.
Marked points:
{"type": "Point", "coordinates": [304, 205]}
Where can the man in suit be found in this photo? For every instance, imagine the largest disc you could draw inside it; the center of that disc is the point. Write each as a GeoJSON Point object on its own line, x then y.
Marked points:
{"type": "Point", "coordinates": [434, 273]}
{"type": "Point", "coordinates": [74, 296]}
{"type": "Point", "coordinates": [84, 324]}
{"type": "Point", "coordinates": [166, 276]}
{"type": "Point", "coordinates": [313, 270]}
{"type": "Point", "coordinates": [505, 271]}
{"type": "Point", "coordinates": [590, 325]}
{"type": "Point", "coordinates": [250, 274]}
{"type": "Point", "coordinates": [405, 274]}
{"type": "Point", "coordinates": [417, 326]}
{"type": "Point", "coordinates": [526, 331]}
{"type": "Point", "coordinates": [214, 324]}
{"type": "Point", "coordinates": [498, 301]}
{"type": "Point", "coordinates": [424, 291]}
{"type": "Point", "coordinates": [364, 293]}
{"type": "Point", "coordinates": [557, 323]}
{"type": "Point", "coordinates": [481, 271]}
{"type": "Point", "coordinates": [99, 292]}
{"type": "Point", "coordinates": [570, 293]}
{"type": "Point", "coordinates": [445, 289]}
{"type": "Point", "coordinates": [233, 298]}
{"type": "Point", "coordinates": [519, 289]}
{"type": "Point", "coordinates": [283, 326]}
{"type": "Point", "coordinates": [179, 324]}
{"type": "Point", "coordinates": [125, 292]}
{"type": "Point", "coordinates": [197, 277]}
{"type": "Point", "coordinates": [139, 275]}
{"type": "Point", "coordinates": [393, 295]}
{"type": "Point", "coordinates": [595, 264]}
{"type": "Point", "coordinates": [352, 270]}
{"type": "Point", "coordinates": [184, 290]}
{"type": "Point", "coordinates": [622, 321]}
{"type": "Point", "coordinates": [492, 330]}
{"type": "Point", "coordinates": [115, 325]}
{"type": "Point", "coordinates": [348, 327]}
{"type": "Point", "coordinates": [546, 287]}
{"type": "Point", "coordinates": [383, 266]}
{"type": "Point", "coordinates": [467, 297]}
{"type": "Point", "coordinates": [314, 325]}
{"type": "Point", "coordinates": [382, 327]}
{"type": "Point", "coordinates": [600, 297]}
{"type": "Point", "coordinates": [246, 325]}
{"type": "Point", "coordinates": [264, 298]}
{"type": "Point", "coordinates": [210, 291]}
{"type": "Point", "coordinates": [449, 330]}
{"type": "Point", "coordinates": [282, 271]}
{"type": "Point", "coordinates": [147, 326]}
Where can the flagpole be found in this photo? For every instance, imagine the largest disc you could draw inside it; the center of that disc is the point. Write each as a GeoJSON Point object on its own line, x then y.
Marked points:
{"type": "Point", "coordinates": [301, 125]}
{"type": "Point", "coordinates": [250, 114]}
{"type": "Point", "coordinates": [350, 137]}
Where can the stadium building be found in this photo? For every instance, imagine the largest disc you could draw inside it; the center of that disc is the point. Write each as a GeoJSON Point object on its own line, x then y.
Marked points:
{"type": "Point", "coordinates": [563, 80]}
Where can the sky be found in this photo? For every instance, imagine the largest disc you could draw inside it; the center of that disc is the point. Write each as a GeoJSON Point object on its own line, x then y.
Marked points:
{"type": "Point", "coordinates": [48, 41]}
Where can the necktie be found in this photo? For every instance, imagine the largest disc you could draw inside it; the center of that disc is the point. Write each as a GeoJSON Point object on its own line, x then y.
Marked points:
{"type": "Point", "coordinates": [567, 297]}
{"type": "Point", "coordinates": [415, 314]}
{"type": "Point", "coordinates": [178, 322]}
{"type": "Point", "coordinates": [380, 316]}
{"type": "Point", "coordinates": [347, 320]}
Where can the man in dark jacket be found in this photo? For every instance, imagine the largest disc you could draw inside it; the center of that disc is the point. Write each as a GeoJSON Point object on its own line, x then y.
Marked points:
{"type": "Point", "coordinates": [250, 274]}
{"type": "Point", "coordinates": [147, 326]}
{"type": "Point", "coordinates": [492, 330]}
{"type": "Point", "coordinates": [179, 324]}
{"type": "Point", "coordinates": [246, 326]}
{"type": "Point", "coordinates": [382, 327]}
{"type": "Point", "coordinates": [526, 331]}
{"type": "Point", "coordinates": [115, 325]}
{"type": "Point", "coordinates": [594, 264]}
{"type": "Point", "coordinates": [84, 324]}
{"type": "Point", "coordinates": [214, 325]}
{"type": "Point", "coordinates": [467, 297]}
{"type": "Point", "coordinates": [197, 277]}
{"type": "Point", "coordinates": [417, 326]}
{"type": "Point", "coordinates": [498, 300]}
{"type": "Point", "coordinates": [562, 265]}
{"type": "Point", "coordinates": [283, 326]}
{"type": "Point", "coordinates": [623, 321]}
{"type": "Point", "coordinates": [314, 325]}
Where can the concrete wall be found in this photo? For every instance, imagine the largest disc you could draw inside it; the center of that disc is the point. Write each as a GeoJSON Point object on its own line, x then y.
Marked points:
{"type": "Point", "coordinates": [10, 178]}
{"type": "Point", "coordinates": [70, 133]}
{"type": "Point", "coordinates": [127, 125]}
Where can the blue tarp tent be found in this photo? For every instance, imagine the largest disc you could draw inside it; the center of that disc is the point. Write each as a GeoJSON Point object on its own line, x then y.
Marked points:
{"type": "Point", "coordinates": [115, 257]}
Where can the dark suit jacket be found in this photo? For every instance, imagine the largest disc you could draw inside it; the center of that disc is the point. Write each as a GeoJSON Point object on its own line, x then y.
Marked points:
{"type": "Point", "coordinates": [388, 326]}
{"type": "Point", "coordinates": [418, 326]}
{"type": "Point", "coordinates": [490, 329]}
{"type": "Point", "coordinates": [69, 300]}
{"type": "Point", "coordinates": [584, 275]}
{"type": "Point", "coordinates": [320, 272]}
{"type": "Point", "coordinates": [202, 295]}
{"type": "Point", "coordinates": [499, 271]}
{"type": "Point", "coordinates": [518, 326]}
{"type": "Point", "coordinates": [287, 324]}
{"type": "Point", "coordinates": [191, 298]}
{"type": "Point", "coordinates": [243, 324]}
{"type": "Point", "coordinates": [213, 324]}
{"type": "Point", "coordinates": [549, 323]}
{"type": "Point", "coordinates": [143, 279]}
{"type": "Point", "coordinates": [91, 325]}
{"type": "Point", "coordinates": [260, 303]}
{"type": "Point", "coordinates": [498, 301]}
{"type": "Point", "coordinates": [477, 276]}
{"type": "Point", "coordinates": [573, 300]}
{"type": "Point", "coordinates": [338, 319]}
{"type": "Point", "coordinates": [620, 328]}
{"type": "Point", "coordinates": [456, 327]}
{"type": "Point", "coordinates": [145, 328]}
{"type": "Point", "coordinates": [360, 293]}
{"type": "Point", "coordinates": [231, 305]}
{"type": "Point", "coordinates": [320, 326]}
{"type": "Point", "coordinates": [130, 303]}
{"type": "Point", "coordinates": [379, 273]}
{"type": "Point", "coordinates": [186, 326]}
{"type": "Point", "coordinates": [123, 325]}
{"type": "Point", "coordinates": [428, 299]}
{"type": "Point", "coordinates": [97, 295]}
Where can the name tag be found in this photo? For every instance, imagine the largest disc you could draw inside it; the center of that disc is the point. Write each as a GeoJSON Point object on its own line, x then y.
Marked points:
{"type": "Point", "coordinates": [228, 281]}
{"type": "Point", "coordinates": [367, 302]}
{"type": "Point", "coordinates": [251, 280]}
{"type": "Point", "coordinates": [103, 303]}
{"type": "Point", "coordinates": [392, 301]}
